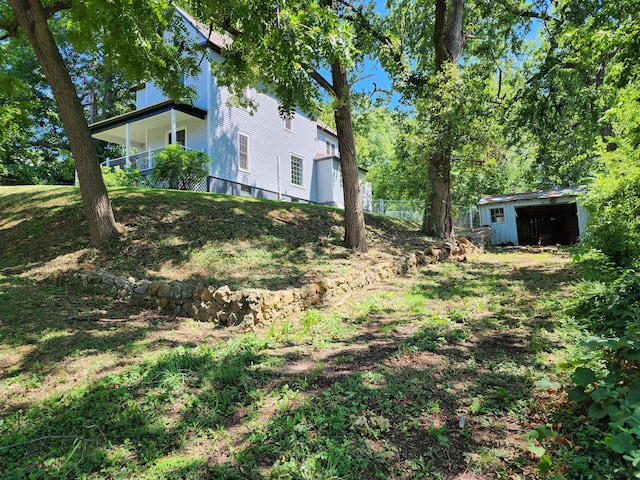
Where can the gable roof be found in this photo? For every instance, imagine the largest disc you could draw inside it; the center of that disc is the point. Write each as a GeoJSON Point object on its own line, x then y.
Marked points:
{"type": "Point", "coordinates": [211, 38]}
{"type": "Point", "coordinates": [512, 197]}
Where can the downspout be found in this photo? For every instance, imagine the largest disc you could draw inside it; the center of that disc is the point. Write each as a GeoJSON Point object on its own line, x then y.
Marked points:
{"type": "Point", "coordinates": [279, 178]}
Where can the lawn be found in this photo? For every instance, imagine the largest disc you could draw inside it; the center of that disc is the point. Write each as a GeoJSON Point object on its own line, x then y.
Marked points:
{"type": "Point", "coordinates": [444, 374]}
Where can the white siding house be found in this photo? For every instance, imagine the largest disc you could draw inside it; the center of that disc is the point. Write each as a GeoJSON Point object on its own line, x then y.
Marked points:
{"type": "Point", "coordinates": [254, 153]}
{"type": "Point", "coordinates": [535, 218]}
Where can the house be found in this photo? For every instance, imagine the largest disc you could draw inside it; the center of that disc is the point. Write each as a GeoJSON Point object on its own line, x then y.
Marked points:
{"type": "Point", "coordinates": [536, 218]}
{"type": "Point", "coordinates": [254, 153]}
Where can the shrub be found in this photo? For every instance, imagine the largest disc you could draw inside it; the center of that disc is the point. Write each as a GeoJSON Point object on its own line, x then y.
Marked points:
{"type": "Point", "coordinates": [181, 169]}
{"type": "Point", "coordinates": [613, 203]}
{"type": "Point", "coordinates": [607, 380]}
{"type": "Point", "coordinates": [123, 177]}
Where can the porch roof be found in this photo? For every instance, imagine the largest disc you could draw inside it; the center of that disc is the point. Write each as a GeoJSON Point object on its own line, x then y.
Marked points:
{"type": "Point", "coordinates": [114, 129]}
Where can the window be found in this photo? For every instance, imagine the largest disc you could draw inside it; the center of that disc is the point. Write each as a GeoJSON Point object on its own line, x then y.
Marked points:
{"type": "Point", "coordinates": [339, 174]}
{"type": "Point", "coordinates": [497, 215]}
{"type": "Point", "coordinates": [288, 123]}
{"type": "Point", "coordinates": [330, 148]}
{"type": "Point", "coordinates": [181, 137]}
{"type": "Point", "coordinates": [296, 171]}
{"type": "Point", "coordinates": [245, 189]}
{"type": "Point", "coordinates": [243, 151]}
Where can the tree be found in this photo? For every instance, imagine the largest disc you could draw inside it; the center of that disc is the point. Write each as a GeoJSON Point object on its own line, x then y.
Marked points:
{"type": "Point", "coordinates": [95, 25]}
{"type": "Point", "coordinates": [444, 56]}
{"type": "Point", "coordinates": [586, 55]}
{"type": "Point", "coordinates": [297, 51]}
{"type": "Point", "coordinates": [34, 147]}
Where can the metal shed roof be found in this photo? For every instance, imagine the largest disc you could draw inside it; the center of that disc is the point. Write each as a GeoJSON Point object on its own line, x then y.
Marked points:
{"type": "Point", "coordinates": [512, 197]}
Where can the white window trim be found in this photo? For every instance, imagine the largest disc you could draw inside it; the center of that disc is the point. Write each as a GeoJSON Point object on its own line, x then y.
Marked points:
{"type": "Point", "coordinates": [178, 129]}
{"type": "Point", "coordinates": [301, 158]}
{"type": "Point", "coordinates": [248, 169]}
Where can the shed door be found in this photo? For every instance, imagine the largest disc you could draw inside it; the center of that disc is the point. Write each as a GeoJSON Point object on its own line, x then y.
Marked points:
{"type": "Point", "coordinates": [548, 224]}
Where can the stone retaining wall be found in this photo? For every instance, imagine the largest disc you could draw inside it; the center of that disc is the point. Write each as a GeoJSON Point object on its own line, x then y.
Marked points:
{"type": "Point", "coordinates": [245, 307]}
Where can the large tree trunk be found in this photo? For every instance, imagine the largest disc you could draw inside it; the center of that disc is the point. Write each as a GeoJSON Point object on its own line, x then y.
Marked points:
{"type": "Point", "coordinates": [448, 41]}
{"type": "Point", "coordinates": [438, 221]}
{"type": "Point", "coordinates": [32, 19]}
{"type": "Point", "coordinates": [355, 230]}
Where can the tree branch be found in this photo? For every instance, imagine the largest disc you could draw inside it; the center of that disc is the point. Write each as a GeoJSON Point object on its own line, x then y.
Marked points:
{"type": "Point", "coordinates": [49, 11]}
{"type": "Point", "coordinates": [11, 29]}
{"type": "Point", "coordinates": [544, 16]}
{"type": "Point", "coordinates": [323, 82]}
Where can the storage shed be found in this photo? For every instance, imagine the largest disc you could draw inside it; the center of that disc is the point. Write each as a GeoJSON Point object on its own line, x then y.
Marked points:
{"type": "Point", "coordinates": [551, 217]}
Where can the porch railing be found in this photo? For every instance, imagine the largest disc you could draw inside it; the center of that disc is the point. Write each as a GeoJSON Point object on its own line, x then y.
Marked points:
{"type": "Point", "coordinates": [143, 161]}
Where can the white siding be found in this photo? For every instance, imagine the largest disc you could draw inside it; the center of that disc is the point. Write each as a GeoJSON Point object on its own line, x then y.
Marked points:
{"type": "Point", "coordinates": [324, 172]}
{"type": "Point", "coordinates": [323, 138]}
{"type": "Point", "coordinates": [268, 139]}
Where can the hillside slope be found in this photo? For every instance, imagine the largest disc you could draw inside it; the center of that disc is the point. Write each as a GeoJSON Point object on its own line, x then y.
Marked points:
{"type": "Point", "coordinates": [175, 235]}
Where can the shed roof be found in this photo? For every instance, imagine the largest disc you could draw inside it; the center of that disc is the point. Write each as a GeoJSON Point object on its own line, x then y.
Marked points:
{"type": "Point", "coordinates": [512, 197]}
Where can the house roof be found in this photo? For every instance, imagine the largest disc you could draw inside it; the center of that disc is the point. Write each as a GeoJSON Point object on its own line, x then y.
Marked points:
{"type": "Point", "coordinates": [146, 112]}
{"type": "Point", "coordinates": [327, 128]}
{"type": "Point", "coordinates": [320, 157]}
{"type": "Point", "coordinates": [512, 197]}
{"type": "Point", "coordinates": [212, 39]}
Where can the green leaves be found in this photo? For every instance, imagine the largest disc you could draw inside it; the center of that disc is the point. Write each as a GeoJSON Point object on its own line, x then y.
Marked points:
{"type": "Point", "coordinates": [180, 169]}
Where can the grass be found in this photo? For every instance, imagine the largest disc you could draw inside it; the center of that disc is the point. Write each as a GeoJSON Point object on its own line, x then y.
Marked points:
{"type": "Point", "coordinates": [188, 236]}
{"type": "Point", "coordinates": [373, 386]}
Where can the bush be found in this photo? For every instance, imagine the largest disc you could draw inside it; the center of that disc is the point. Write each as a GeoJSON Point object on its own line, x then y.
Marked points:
{"type": "Point", "coordinates": [181, 169]}
{"type": "Point", "coordinates": [55, 172]}
{"type": "Point", "coordinates": [123, 177]}
{"type": "Point", "coordinates": [607, 379]}
{"type": "Point", "coordinates": [613, 204]}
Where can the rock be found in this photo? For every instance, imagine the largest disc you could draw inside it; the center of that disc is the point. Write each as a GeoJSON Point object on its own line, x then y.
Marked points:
{"type": "Point", "coordinates": [221, 295]}
{"type": "Point", "coordinates": [162, 302]}
{"type": "Point", "coordinates": [153, 288]}
{"type": "Point", "coordinates": [164, 291]}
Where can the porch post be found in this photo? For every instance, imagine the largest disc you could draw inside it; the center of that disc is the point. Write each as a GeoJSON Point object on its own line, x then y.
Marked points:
{"type": "Point", "coordinates": [173, 127]}
{"type": "Point", "coordinates": [127, 151]}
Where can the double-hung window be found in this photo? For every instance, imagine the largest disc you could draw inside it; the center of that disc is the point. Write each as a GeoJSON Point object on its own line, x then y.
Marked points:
{"type": "Point", "coordinates": [181, 137]}
{"type": "Point", "coordinates": [243, 152]}
{"type": "Point", "coordinates": [297, 171]}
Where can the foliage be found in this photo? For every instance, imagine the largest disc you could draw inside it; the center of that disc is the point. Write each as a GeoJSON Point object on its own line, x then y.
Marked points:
{"type": "Point", "coordinates": [613, 203]}
{"type": "Point", "coordinates": [570, 83]}
{"type": "Point", "coordinates": [123, 177]}
{"type": "Point", "coordinates": [181, 169]}
{"type": "Point", "coordinates": [33, 131]}
{"type": "Point", "coordinates": [607, 379]}
{"type": "Point", "coordinates": [613, 200]}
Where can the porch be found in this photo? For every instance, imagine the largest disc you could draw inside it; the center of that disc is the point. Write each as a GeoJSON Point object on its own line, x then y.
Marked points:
{"type": "Point", "coordinates": [146, 131]}
{"type": "Point", "coordinates": [144, 161]}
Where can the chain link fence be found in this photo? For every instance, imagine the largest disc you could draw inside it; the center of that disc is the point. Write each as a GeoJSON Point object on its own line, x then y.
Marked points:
{"type": "Point", "coordinates": [463, 217]}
